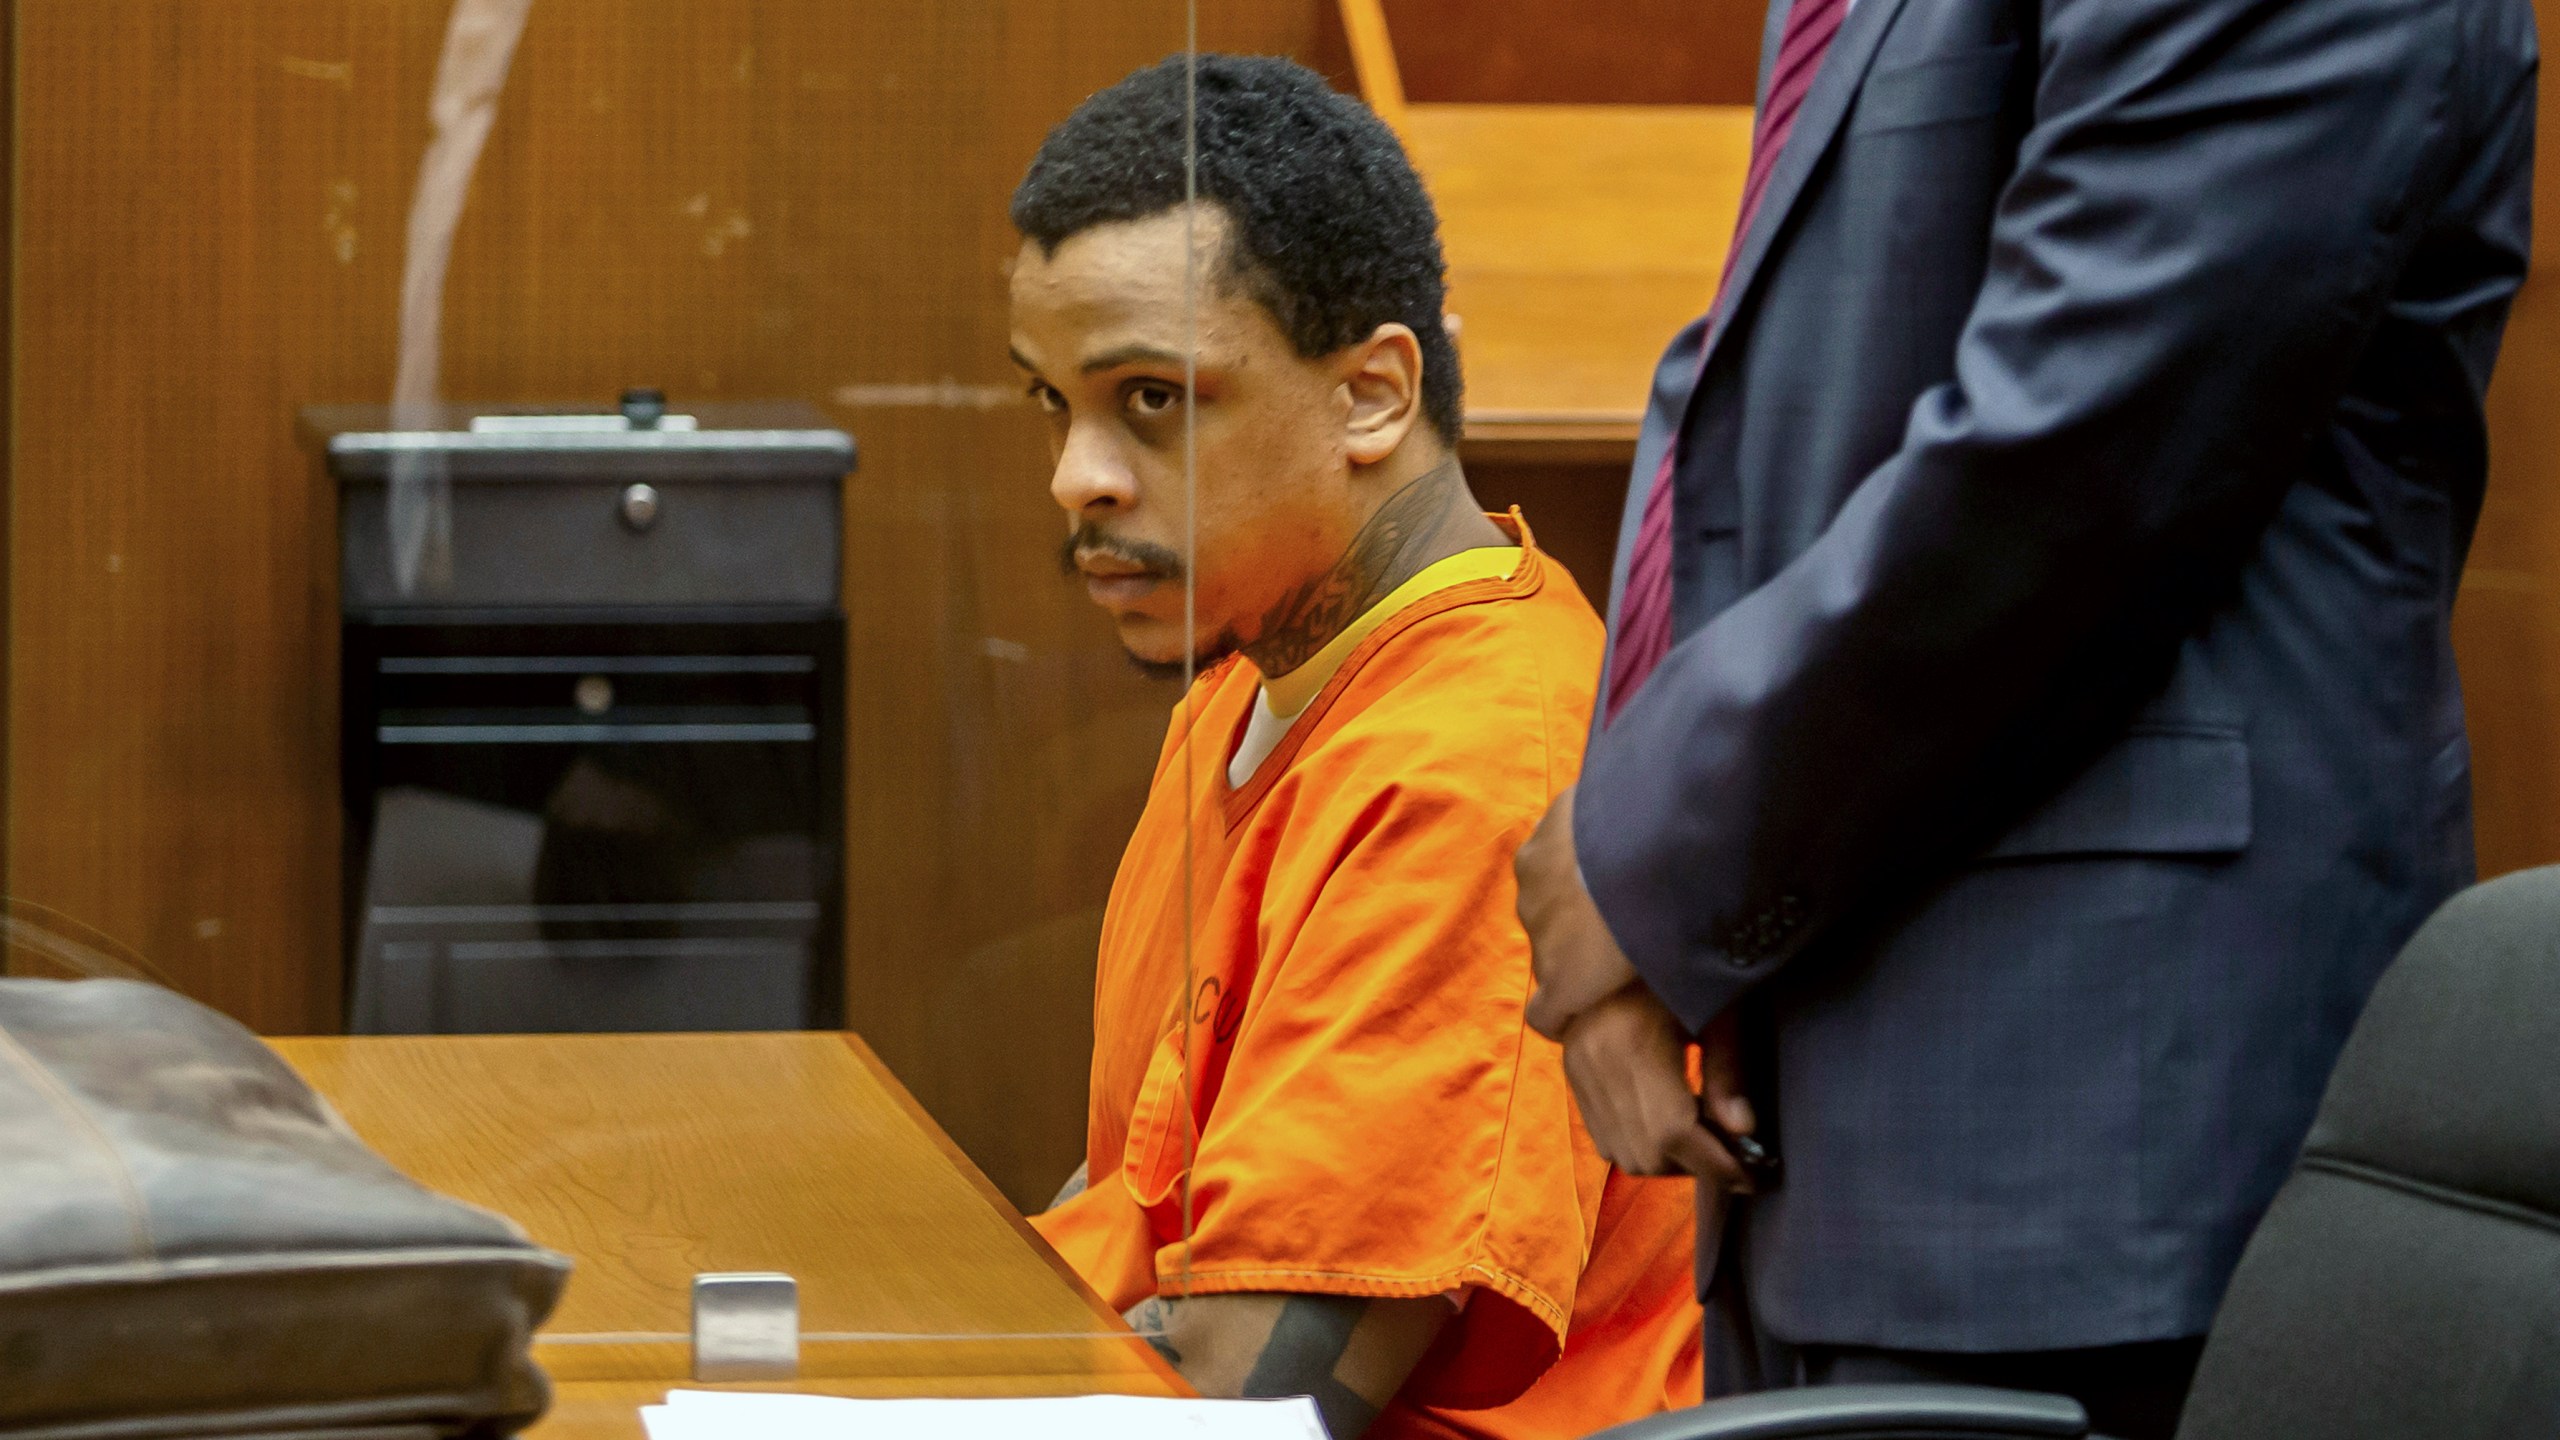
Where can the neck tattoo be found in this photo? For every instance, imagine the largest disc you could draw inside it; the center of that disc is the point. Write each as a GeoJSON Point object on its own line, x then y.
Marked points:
{"type": "Point", "coordinates": [1392, 548]}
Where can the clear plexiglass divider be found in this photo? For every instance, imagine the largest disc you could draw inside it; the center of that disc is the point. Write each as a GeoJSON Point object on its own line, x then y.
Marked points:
{"type": "Point", "coordinates": [649, 772]}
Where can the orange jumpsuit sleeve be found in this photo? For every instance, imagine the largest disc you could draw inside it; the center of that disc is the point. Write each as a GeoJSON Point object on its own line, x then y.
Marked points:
{"type": "Point", "coordinates": [1384, 1124]}
{"type": "Point", "coordinates": [1107, 1239]}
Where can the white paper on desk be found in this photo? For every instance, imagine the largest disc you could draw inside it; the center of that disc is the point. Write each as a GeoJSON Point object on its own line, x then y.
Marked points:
{"type": "Point", "coordinates": [735, 1415]}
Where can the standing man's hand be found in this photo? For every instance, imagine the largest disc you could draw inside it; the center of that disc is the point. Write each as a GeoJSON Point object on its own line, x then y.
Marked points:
{"type": "Point", "coordinates": [1624, 1051]}
{"type": "Point", "coordinates": [1628, 1059]}
{"type": "Point", "coordinates": [1576, 960]}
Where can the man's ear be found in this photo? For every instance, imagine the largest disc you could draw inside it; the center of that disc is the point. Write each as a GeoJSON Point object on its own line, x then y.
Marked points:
{"type": "Point", "coordinates": [1385, 386]}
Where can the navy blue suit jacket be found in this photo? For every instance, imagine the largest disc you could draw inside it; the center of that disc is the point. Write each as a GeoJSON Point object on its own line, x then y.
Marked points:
{"type": "Point", "coordinates": [2062, 729]}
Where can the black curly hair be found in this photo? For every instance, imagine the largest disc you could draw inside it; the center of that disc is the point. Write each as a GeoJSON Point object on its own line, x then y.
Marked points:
{"type": "Point", "coordinates": [1332, 232]}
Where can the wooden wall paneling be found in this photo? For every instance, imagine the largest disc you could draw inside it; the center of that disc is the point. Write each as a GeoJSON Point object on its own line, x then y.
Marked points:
{"type": "Point", "coordinates": [1586, 163]}
{"type": "Point", "coordinates": [1580, 238]}
{"type": "Point", "coordinates": [209, 198]}
{"type": "Point", "coordinates": [797, 198]}
{"type": "Point", "coordinates": [1635, 52]}
{"type": "Point", "coordinates": [1363, 27]}
{"type": "Point", "coordinates": [2507, 623]}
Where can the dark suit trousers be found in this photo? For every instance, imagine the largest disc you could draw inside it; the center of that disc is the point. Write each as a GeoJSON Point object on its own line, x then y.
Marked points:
{"type": "Point", "coordinates": [2132, 1392]}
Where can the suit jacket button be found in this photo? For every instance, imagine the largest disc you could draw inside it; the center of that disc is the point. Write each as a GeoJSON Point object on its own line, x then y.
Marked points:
{"type": "Point", "coordinates": [1788, 916]}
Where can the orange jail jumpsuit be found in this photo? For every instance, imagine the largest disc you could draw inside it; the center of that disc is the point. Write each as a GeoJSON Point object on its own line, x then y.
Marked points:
{"type": "Point", "coordinates": [1362, 1110]}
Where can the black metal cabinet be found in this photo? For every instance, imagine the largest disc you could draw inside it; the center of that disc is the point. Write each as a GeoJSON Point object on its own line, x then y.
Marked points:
{"type": "Point", "coordinates": [579, 797]}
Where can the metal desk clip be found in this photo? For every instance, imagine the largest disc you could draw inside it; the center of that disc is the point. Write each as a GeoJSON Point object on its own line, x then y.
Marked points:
{"type": "Point", "coordinates": [746, 1327]}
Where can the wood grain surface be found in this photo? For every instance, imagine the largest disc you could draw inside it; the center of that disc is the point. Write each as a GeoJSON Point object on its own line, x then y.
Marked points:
{"type": "Point", "coordinates": [1580, 239]}
{"type": "Point", "coordinates": [650, 1159]}
{"type": "Point", "coordinates": [1630, 52]}
{"type": "Point", "coordinates": [1377, 77]}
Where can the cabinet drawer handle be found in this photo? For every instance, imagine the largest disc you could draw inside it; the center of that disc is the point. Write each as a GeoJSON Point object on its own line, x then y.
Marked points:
{"type": "Point", "coordinates": [640, 507]}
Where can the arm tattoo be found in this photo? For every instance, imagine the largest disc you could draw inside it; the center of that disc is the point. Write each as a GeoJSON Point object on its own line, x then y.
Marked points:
{"type": "Point", "coordinates": [1348, 1353]}
{"type": "Point", "coordinates": [1150, 1317]}
{"type": "Point", "coordinates": [1306, 1345]}
{"type": "Point", "coordinates": [1378, 559]}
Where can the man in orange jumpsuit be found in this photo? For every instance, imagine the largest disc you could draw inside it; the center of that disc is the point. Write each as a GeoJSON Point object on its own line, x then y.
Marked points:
{"type": "Point", "coordinates": [1326, 1156]}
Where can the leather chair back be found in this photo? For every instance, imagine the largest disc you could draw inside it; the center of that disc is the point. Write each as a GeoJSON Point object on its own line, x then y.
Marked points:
{"type": "Point", "coordinates": [2407, 1280]}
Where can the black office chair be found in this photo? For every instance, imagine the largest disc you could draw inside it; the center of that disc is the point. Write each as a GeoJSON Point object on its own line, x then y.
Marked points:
{"type": "Point", "coordinates": [2406, 1282]}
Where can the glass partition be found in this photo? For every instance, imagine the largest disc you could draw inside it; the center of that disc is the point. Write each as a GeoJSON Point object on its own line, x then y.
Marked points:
{"type": "Point", "coordinates": [525, 539]}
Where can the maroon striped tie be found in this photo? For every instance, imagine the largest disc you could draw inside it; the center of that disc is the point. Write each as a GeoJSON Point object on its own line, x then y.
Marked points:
{"type": "Point", "coordinates": [1644, 614]}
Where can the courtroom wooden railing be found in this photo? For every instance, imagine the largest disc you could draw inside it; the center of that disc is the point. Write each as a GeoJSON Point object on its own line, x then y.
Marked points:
{"type": "Point", "coordinates": [1580, 238]}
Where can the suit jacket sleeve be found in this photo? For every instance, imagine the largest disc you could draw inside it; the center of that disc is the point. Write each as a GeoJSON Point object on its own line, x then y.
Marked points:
{"type": "Point", "coordinates": [2205, 222]}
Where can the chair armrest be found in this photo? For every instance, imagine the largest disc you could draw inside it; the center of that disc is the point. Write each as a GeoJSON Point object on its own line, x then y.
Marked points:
{"type": "Point", "coordinates": [1868, 1412]}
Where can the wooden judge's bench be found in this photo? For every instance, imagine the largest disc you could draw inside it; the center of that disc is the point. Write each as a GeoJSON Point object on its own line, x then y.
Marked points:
{"type": "Point", "coordinates": [1580, 238]}
{"type": "Point", "coordinates": [649, 1159]}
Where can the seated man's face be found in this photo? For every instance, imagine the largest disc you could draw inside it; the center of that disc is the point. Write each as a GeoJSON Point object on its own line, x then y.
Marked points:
{"type": "Point", "coordinates": [1100, 329]}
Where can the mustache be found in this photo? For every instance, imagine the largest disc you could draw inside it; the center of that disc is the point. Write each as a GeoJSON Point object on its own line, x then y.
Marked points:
{"type": "Point", "coordinates": [1089, 539]}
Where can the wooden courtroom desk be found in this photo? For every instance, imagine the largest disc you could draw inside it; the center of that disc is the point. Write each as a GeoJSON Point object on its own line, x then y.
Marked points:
{"type": "Point", "coordinates": [650, 1158]}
